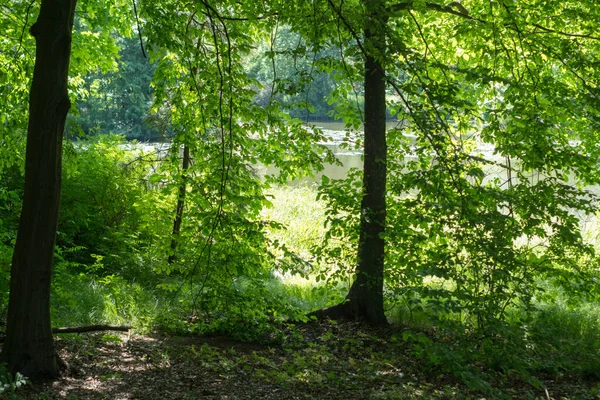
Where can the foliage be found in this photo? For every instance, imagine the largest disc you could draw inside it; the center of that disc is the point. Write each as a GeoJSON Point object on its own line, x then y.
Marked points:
{"type": "Point", "coordinates": [554, 341]}
{"type": "Point", "coordinates": [289, 72]}
{"type": "Point", "coordinates": [118, 101]}
{"type": "Point", "coordinates": [490, 173]}
{"type": "Point", "coordinates": [11, 190]}
{"type": "Point", "coordinates": [101, 226]}
{"type": "Point", "coordinates": [464, 245]}
{"type": "Point", "coordinates": [224, 257]}
{"type": "Point", "coordinates": [10, 383]}
{"type": "Point", "coordinates": [486, 243]}
{"type": "Point", "coordinates": [567, 340]}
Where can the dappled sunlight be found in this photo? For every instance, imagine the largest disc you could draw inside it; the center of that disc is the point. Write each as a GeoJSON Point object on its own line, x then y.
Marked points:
{"type": "Point", "coordinates": [319, 199]}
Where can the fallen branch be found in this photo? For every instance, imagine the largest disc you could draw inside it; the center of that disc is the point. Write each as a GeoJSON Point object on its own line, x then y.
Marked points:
{"type": "Point", "coordinates": [91, 328]}
{"type": "Point", "coordinates": [82, 329]}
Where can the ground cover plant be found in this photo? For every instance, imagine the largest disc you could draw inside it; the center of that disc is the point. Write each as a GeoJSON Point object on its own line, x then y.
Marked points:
{"type": "Point", "coordinates": [460, 260]}
{"type": "Point", "coordinates": [319, 360]}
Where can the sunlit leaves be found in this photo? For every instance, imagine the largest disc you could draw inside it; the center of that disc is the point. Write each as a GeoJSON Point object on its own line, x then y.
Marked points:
{"type": "Point", "coordinates": [502, 101]}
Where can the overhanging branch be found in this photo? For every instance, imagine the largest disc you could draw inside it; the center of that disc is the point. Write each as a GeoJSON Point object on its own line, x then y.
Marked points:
{"type": "Point", "coordinates": [454, 8]}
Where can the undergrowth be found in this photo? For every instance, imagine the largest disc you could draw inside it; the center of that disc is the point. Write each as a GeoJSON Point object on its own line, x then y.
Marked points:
{"type": "Point", "coordinates": [112, 280]}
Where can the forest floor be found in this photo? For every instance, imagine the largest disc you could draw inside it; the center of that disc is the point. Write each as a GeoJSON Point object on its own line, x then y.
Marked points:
{"type": "Point", "coordinates": [313, 361]}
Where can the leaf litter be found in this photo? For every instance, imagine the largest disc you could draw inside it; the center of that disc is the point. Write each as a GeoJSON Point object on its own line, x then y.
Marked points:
{"type": "Point", "coordinates": [319, 360]}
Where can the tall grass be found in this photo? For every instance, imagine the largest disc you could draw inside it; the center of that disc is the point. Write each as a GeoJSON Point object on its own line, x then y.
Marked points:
{"type": "Point", "coordinates": [301, 214]}
{"type": "Point", "coordinates": [87, 300]}
{"type": "Point", "coordinates": [303, 219]}
{"type": "Point", "coordinates": [80, 299]}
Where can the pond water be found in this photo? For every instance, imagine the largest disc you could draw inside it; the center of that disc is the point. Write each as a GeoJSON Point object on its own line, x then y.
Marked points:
{"type": "Point", "coordinates": [336, 133]}
{"type": "Point", "coordinates": [349, 158]}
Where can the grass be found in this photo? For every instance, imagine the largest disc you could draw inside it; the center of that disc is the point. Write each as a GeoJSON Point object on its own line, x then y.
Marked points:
{"type": "Point", "coordinates": [88, 300]}
{"type": "Point", "coordinates": [566, 341]}
{"type": "Point", "coordinates": [302, 215]}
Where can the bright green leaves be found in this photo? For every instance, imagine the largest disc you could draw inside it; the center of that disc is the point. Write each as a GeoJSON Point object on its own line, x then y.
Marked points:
{"type": "Point", "coordinates": [206, 98]}
{"type": "Point", "coordinates": [16, 67]}
{"type": "Point", "coordinates": [497, 110]}
{"type": "Point", "coordinates": [103, 206]}
{"type": "Point", "coordinates": [499, 117]}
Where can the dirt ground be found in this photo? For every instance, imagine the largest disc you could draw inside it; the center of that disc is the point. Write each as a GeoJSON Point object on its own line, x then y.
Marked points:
{"type": "Point", "coordinates": [316, 362]}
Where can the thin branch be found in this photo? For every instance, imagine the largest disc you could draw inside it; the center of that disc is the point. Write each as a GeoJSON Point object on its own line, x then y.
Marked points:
{"type": "Point", "coordinates": [24, 27]}
{"type": "Point", "coordinates": [137, 21]}
{"type": "Point", "coordinates": [577, 35]}
{"type": "Point", "coordinates": [352, 31]}
{"type": "Point", "coordinates": [346, 69]}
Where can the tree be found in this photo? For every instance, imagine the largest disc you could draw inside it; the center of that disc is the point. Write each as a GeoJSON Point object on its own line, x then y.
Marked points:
{"type": "Point", "coordinates": [118, 97]}
{"type": "Point", "coordinates": [202, 84]}
{"type": "Point", "coordinates": [365, 298]}
{"type": "Point", "coordinates": [29, 346]}
{"type": "Point", "coordinates": [185, 165]}
{"type": "Point", "coordinates": [502, 78]}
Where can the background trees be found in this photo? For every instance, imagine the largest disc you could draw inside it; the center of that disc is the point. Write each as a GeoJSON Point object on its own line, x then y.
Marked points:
{"type": "Point", "coordinates": [118, 100]}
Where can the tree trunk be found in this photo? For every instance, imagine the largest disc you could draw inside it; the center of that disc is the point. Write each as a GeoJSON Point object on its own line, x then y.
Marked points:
{"type": "Point", "coordinates": [29, 345]}
{"type": "Point", "coordinates": [365, 298]}
{"type": "Point", "coordinates": [180, 204]}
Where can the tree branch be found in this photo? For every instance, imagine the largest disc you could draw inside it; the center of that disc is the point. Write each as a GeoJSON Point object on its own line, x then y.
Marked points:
{"type": "Point", "coordinates": [454, 8]}
{"type": "Point", "coordinates": [88, 328]}
{"type": "Point", "coordinates": [356, 37]}
{"type": "Point", "coordinates": [92, 328]}
{"type": "Point", "coordinates": [577, 35]}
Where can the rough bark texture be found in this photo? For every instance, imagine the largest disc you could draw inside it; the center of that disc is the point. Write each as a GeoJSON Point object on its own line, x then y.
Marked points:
{"type": "Point", "coordinates": [29, 346]}
{"type": "Point", "coordinates": [365, 298]}
{"type": "Point", "coordinates": [180, 203]}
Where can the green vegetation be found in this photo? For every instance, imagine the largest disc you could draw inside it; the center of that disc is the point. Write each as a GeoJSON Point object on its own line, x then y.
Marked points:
{"type": "Point", "coordinates": [473, 228]}
{"type": "Point", "coordinates": [549, 340]}
{"type": "Point", "coordinates": [10, 383]}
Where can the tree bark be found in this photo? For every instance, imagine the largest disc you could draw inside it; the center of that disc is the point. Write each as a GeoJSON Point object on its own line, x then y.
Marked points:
{"type": "Point", "coordinates": [29, 345]}
{"type": "Point", "coordinates": [365, 298]}
{"type": "Point", "coordinates": [180, 204]}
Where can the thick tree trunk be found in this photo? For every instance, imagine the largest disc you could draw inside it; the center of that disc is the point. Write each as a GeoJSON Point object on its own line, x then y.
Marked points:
{"type": "Point", "coordinates": [365, 298]}
{"type": "Point", "coordinates": [366, 294]}
{"type": "Point", "coordinates": [29, 346]}
{"type": "Point", "coordinates": [180, 204]}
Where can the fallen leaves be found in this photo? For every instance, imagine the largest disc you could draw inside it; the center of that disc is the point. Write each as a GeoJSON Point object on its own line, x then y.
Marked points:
{"type": "Point", "coordinates": [314, 361]}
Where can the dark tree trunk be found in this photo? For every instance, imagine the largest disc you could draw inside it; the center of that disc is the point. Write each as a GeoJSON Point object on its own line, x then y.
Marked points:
{"type": "Point", "coordinates": [180, 203]}
{"type": "Point", "coordinates": [365, 298]}
{"type": "Point", "coordinates": [29, 345]}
